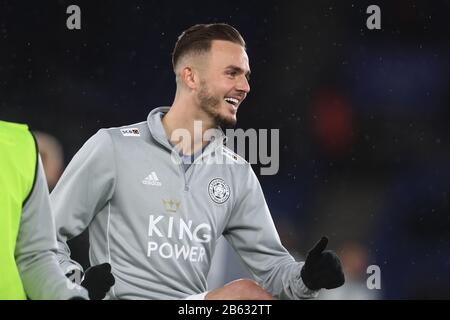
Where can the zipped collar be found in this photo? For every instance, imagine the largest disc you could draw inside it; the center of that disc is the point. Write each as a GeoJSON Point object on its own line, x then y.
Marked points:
{"type": "Point", "coordinates": [159, 134]}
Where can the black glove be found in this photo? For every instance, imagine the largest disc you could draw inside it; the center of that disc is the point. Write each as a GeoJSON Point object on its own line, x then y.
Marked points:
{"type": "Point", "coordinates": [98, 280]}
{"type": "Point", "coordinates": [322, 269]}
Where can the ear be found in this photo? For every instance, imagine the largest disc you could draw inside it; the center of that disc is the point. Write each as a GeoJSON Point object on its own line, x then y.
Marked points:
{"type": "Point", "coordinates": [189, 77]}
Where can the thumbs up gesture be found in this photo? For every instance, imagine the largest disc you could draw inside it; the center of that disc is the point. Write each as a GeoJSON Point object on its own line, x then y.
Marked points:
{"type": "Point", "coordinates": [322, 268]}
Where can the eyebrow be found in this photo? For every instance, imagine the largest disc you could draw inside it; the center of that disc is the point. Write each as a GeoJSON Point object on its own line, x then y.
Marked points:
{"type": "Point", "coordinates": [239, 70]}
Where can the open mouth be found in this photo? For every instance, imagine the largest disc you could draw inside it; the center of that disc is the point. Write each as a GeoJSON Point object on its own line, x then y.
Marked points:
{"type": "Point", "coordinates": [232, 101]}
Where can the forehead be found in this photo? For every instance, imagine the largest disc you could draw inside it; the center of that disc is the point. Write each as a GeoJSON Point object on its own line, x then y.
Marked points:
{"type": "Point", "coordinates": [224, 53]}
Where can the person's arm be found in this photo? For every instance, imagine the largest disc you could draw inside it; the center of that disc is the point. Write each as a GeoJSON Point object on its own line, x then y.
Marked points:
{"type": "Point", "coordinates": [253, 235]}
{"type": "Point", "coordinates": [35, 251]}
{"type": "Point", "coordinates": [83, 190]}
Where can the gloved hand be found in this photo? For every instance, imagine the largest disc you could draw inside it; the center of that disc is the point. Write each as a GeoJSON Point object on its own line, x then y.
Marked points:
{"type": "Point", "coordinates": [322, 269]}
{"type": "Point", "coordinates": [98, 280]}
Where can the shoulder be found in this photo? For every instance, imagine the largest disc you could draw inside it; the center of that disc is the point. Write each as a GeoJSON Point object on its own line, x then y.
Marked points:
{"type": "Point", "coordinates": [136, 130]}
{"type": "Point", "coordinates": [13, 126]}
{"type": "Point", "coordinates": [16, 138]}
{"type": "Point", "coordinates": [124, 135]}
{"type": "Point", "coordinates": [108, 139]}
{"type": "Point", "coordinates": [12, 129]}
{"type": "Point", "coordinates": [239, 168]}
{"type": "Point", "coordinates": [232, 157]}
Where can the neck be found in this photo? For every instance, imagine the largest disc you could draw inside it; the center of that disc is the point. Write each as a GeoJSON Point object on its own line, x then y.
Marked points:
{"type": "Point", "coordinates": [185, 125]}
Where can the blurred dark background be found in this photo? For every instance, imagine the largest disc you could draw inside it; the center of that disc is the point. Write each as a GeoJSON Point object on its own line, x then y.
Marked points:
{"type": "Point", "coordinates": [363, 114]}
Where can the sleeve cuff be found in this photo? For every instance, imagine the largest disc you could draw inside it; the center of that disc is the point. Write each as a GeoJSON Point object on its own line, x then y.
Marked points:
{"type": "Point", "coordinates": [302, 291]}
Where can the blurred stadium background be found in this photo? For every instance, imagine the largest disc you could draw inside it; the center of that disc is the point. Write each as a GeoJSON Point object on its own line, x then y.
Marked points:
{"type": "Point", "coordinates": [363, 115]}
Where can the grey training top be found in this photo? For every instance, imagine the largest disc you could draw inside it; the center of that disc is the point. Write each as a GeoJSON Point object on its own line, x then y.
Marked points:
{"type": "Point", "coordinates": [157, 224]}
{"type": "Point", "coordinates": [35, 251]}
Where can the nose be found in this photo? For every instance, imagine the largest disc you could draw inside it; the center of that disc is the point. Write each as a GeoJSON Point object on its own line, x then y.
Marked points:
{"type": "Point", "coordinates": [243, 85]}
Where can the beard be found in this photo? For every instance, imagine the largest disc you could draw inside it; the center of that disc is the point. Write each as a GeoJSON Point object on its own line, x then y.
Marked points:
{"type": "Point", "coordinates": [210, 104]}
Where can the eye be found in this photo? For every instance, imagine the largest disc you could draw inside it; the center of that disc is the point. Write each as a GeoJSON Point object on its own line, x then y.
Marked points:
{"type": "Point", "coordinates": [232, 73]}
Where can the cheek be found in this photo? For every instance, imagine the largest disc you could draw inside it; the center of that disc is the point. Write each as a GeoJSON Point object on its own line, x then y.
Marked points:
{"type": "Point", "coordinates": [220, 89]}
{"type": "Point", "coordinates": [227, 86]}
{"type": "Point", "coordinates": [220, 86]}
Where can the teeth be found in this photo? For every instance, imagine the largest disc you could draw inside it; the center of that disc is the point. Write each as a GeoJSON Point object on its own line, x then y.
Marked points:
{"type": "Point", "coordinates": [232, 100]}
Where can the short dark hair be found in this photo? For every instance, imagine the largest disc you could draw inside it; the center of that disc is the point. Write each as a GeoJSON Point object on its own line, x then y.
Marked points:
{"type": "Point", "coordinates": [198, 39]}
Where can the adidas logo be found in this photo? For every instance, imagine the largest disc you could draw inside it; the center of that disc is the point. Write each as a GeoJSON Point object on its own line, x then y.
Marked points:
{"type": "Point", "coordinates": [152, 180]}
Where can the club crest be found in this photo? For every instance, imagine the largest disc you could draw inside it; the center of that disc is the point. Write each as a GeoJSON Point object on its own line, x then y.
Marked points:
{"type": "Point", "coordinates": [218, 190]}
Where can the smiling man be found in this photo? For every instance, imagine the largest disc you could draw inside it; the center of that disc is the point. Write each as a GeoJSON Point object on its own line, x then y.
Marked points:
{"type": "Point", "coordinates": [212, 78]}
{"type": "Point", "coordinates": [156, 201]}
